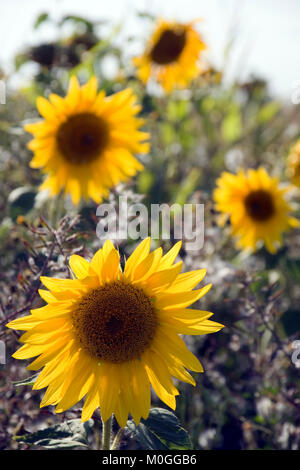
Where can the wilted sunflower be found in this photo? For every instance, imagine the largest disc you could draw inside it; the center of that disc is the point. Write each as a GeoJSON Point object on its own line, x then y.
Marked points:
{"type": "Point", "coordinates": [86, 141]}
{"type": "Point", "coordinates": [108, 334]}
{"type": "Point", "coordinates": [256, 206]}
{"type": "Point", "coordinates": [293, 167]}
{"type": "Point", "coordinates": [172, 55]}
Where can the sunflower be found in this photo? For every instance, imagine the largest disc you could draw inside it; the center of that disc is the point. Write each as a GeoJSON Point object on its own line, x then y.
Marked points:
{"type": "Point", "coordinates": [256, 206]}
{"type": "Point", "coordinates": [172, 55]}
{"type": "Point", "coordinates": [86, 141]}
{"type": "Point", "coordinates": [108, 334]}
{"type": "Point", "coordinates": [293, 167]}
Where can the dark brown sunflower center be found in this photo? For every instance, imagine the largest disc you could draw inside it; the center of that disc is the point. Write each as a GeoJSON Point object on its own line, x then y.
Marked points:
{"type": "Point", "coordinates": [82, 138]}
{"type": "Point", "coordinates": [169, 46]}
{"type": "Point", "coordinates": [259, 205]}
{"type": "Point", "coordinates": [115, 323]}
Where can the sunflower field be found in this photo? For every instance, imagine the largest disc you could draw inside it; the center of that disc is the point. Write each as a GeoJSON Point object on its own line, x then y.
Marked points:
{"type": "Point", "coordinates": [138, 338]}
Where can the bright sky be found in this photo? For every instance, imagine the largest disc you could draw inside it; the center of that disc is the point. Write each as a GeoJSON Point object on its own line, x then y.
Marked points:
{"type": "Point", "coordinates": [267, 32]}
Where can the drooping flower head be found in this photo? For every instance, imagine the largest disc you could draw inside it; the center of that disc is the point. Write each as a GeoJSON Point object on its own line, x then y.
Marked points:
{"type": "Point", "coordinates": [172, 55]}
{"type": "Point", "coordinates": [256, 206]}
{"type": "Point", "coordinates": [293, 164]}
{"type": "Point", "coordinates": [109, 334]}
{"type": "Point", "coordinates": [87, 140]}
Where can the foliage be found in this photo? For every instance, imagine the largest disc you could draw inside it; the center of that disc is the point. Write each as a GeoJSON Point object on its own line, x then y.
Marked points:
{"type": "Point", "coordinates": [71, 434]}
{"type": "Point", "coordinates": [161, 431]}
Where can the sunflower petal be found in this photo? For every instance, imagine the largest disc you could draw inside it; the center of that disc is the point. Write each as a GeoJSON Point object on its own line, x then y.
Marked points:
{"type": "Point", "coordinates": [182, 299]}
{"type": "Point", "coordinates": [139, 254]}
{"type": "Point", "coordinates": [79, 266]}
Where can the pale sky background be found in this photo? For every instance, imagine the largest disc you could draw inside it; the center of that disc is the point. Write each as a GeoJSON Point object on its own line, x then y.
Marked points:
{"type": "Point", "coordinates": [267, 32]}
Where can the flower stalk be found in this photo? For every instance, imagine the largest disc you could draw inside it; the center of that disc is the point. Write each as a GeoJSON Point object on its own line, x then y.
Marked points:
{"type": "Point", "coordinates": [117, 439]}
{"type": "Point", "coordinates": [106, 434]}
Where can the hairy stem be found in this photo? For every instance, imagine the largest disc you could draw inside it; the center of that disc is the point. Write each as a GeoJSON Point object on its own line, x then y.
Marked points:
{"type": "Point", "coordinates": [106, 434]}
{"type": "Point", "coordinates": [117, 439]}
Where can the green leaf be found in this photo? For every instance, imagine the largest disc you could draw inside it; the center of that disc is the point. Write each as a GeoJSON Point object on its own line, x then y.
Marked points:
{"type": "Point", "coordinates": [208, 103]}
{"type": "Point", "coordinates": [232, 126]}
{"type": "Point", "coordinates": [260, 281]}
{"type": "Point", "coordinates": [293, 267]}
{"type": "Point", "coordinates": [145, 181]}
{"type": "Point", "coordinates": [267, 112]}
{"type": "Point", "coordinates": [20, 59]}
{"type": "Point", "coordinates": [67, 435]}
{"type": "Point", "coordinates": [31, 92]}
{"type": "Point", "coordinates": [161, 431]}
{"type": "Point", "coordinates": [188, 186]}
{"type": "Point", "coordinates": [168, 133]}
{"type": "Point", "coordinates": [145, 15]}
{"type": "Point", "coordinates": [40, 19]}
{"type": "Point", "coordinates": [177, 110]}
{"type": "Point", "coordinates": [145, 437]}
{"type": "Point", "coordinates": [258, 419]}
{"type": "Point", "coordinates": [5, 228]}
{"type": "Point", "coordinates": [28, 381]}
{"type": "Point", "coordinates": [77, 20]}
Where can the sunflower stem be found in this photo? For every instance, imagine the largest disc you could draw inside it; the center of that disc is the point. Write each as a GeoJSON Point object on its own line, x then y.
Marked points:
{"type": "Point", "coordinates": [117, 439]}
{"type": "Point", "coordinates": [106, 434]}
{"type": "Point", "coordinates": [56, 210]}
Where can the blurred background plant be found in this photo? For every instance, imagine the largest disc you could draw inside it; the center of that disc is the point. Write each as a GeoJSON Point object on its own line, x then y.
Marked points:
{"type": "Point", "coordinates": [248, 397]}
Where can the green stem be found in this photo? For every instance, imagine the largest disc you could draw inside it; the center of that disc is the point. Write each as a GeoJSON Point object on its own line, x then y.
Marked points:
{"type": "Point", "coordinates": [56, 209]}
{"type": "Point", "coordinates": [106, 434]}
{"type": "Point", "coordinates": [117, 439]}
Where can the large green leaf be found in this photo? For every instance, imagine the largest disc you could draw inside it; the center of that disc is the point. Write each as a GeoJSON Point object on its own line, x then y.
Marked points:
{"type": "Point", "coordinates": [161, 431]}
{"type": "Point", "coordinates": [67, 435]}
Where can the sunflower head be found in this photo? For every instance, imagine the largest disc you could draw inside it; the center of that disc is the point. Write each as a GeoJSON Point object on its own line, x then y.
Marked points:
{"type": "Point", "coordinates": [86, 141]}
{"type": "Point", "coordinates": [108, 334]}
{"type": "Point", "coordinates": [256, 206]}
{"type": "Point", "coordinates": [293, 164]}
{"type": "Point", "coordinates": [172, 55]}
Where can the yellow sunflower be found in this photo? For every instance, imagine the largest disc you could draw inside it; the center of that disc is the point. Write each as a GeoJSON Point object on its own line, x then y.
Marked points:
{"type": "Point", "coordinates": [108, 334]}
{"type": "Point", "coordinates": [172, 55]}
{"type": "Point", "coordinates": [86, 141]}
{"type": "Point", "coordinates": [293, 167]}
{"type": "Point", "coordinates": [256, 206]}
